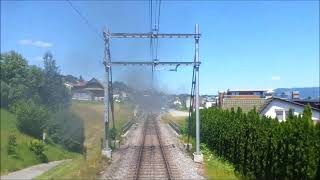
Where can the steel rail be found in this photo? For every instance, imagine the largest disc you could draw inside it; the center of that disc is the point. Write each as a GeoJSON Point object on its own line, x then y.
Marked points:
{"type": "Point", "coordinates": [162, 152]}
{"type": "Point", "coordinates": [140, 153]}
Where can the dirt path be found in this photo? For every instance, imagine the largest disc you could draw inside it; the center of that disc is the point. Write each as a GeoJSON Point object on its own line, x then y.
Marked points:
{"type": "Point", "coordinates": [32, 172]}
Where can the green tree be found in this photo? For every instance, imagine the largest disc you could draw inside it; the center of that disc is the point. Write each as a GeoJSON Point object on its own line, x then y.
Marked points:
{"type": "Point", "coordinates": [14, 69]}
{"type": "Point", "coordinates": [262, 147]}
{"type": "Point", "coordinates": [31, 118]}
{"type": "Point", "coordinates": [67, 129]}
{"type": "Point", "coordinates": [53, 94]}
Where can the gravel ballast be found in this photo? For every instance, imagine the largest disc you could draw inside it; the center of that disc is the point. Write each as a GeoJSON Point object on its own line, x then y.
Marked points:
{"type": "Point", "coordinates": [124, 157]}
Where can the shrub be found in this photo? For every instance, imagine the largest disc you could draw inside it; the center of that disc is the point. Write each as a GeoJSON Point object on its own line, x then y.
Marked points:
{"type": "Point", "coordinates": [262, 147]}
{"type": "Point", "coordinates": [67, 129]}
{"type": "Point", "coordinates": [31, 118]}
{"type": "Point", "coordinates": [38, 147]}
{"type": "Point", "coordinates": [113, 133]}
{"type": "Point", "coordinates": [12, 144]}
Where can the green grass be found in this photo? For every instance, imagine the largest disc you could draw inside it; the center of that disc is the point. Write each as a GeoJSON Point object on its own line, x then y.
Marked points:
{"type": "Point", "coordinates": [92, 115]}
{"type": "Point", "coordinates": [23, 157]}
{"type": "Point", "coordinates": [215, 167]}
{"type": "Point", "coordinates": [179, 120]}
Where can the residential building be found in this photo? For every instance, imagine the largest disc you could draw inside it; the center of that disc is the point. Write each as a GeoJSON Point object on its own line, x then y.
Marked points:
{"type": "Point", "coordinates": [247, 93]}
{"type": "Point", "coordinates": [279, 108]}
{"type": "Point", "coordinates": [245, 99]}
{"type": "Point", "coordinates": [209, 104]}
{"type": "Point", "coordinates": [90, 90]}
{"type": "Point", "coordinates": [68, 85]}
{"type": "Point", "coordinates": [312, 103]}
{"type": "Point", "coordinates": [177, 102]}
{"type": "Point", "coordinates": [246, 104]}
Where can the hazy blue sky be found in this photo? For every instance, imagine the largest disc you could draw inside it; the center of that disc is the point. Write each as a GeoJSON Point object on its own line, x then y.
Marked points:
{"type": "Point", "coordinates": [246, 44]}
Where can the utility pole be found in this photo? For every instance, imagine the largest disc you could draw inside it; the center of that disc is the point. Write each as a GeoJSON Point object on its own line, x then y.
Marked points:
{"type": "Point", "coordinates": [197, 156]}
{"type": "Point", "coordinates": [106, 151]}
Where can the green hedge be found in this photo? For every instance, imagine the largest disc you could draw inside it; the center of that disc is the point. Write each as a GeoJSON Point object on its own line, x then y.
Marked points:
{"type": "Point", "coordinates": [262, 147]}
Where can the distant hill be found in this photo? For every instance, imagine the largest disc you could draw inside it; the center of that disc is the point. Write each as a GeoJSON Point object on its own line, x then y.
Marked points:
{"type": "Point", "coordinates": [305, 92]}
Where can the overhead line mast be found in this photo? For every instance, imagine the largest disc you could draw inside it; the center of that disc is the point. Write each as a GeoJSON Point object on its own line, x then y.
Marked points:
{"type": "Point", "coordinates": [198, 157]}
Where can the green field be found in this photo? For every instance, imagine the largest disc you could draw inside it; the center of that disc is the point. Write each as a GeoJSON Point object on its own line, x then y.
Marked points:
{"type": "Point", "coordinates": [179, 120]}
{"type": "Point", "coordinates": [23, 157]}
{"type": "Point", "coordinates": [92, 115]}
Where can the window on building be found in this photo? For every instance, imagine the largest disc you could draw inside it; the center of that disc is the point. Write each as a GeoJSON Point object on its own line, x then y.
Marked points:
{"type": "Point", "coordinates": [287, 113]}
{"type": "Point", "coordinates": [279, 114]}
{"type": "Point", "coordinates": [257, 93]}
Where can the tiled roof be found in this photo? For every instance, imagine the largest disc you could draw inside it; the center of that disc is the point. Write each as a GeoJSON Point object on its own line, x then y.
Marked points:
{"type": "Point", "coordinates": [245, 104]}
{"type": "Point", "coordinates": [287, 101]}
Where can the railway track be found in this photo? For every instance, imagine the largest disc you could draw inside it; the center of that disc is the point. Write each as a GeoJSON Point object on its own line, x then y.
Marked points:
{"type": "Point", "coordinates": [152, 159]}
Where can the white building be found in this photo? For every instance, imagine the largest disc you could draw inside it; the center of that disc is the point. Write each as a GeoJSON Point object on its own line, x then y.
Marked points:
{"type": "Point", "coordinates": [68, 85]}
{"type": "Point", "coordinates": [188, 102]}
{"type": "Point", "coordinates": [177, 102]}
{"type": "Point", "coordinates": [209, 104]}
{"type": "Point", "coordinates": [277, 107]}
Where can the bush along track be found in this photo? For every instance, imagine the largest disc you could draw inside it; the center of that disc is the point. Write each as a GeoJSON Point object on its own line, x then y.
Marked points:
{"type": "Point", "coordinates": [261, 147]}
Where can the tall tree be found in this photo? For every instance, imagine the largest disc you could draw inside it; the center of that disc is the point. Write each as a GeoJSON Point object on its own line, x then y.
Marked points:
{"type": "Point", "coordinates": [14, 69]}
{"type": "Point", "coordinates": [53, 94]}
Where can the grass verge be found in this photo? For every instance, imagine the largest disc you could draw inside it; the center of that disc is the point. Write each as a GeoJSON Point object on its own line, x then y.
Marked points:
{"type": "Point", "coordinates": [23, 157]}
{"type": "Point", "coordinates": [181, 121]}
{"type": "Point", "coordinates": [91, 166]}
{"type": "Point", "coordinates": [215, 167]}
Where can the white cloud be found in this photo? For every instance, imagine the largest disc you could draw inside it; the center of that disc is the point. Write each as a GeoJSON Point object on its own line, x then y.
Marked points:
{"type": "Point", "coordinates": [40, 44]}
{"type": "Point", "coordinates": [275, 78]}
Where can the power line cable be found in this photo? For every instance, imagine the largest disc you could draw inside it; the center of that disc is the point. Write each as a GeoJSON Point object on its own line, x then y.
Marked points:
{"type": "Point", "coordinates": [159, 10]}
{"type": "Point", "coordinates": [158, 28]}
{"type": "Point", "coordinates": [85, 19]}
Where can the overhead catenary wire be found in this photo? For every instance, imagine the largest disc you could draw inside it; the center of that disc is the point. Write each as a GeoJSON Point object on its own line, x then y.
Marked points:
{"type": "Point", "coordinates": [158, 28]}
{"type": "Point", "coordinates": [86, 21]}
{"type": "Point", "coordinates": [154, 15]}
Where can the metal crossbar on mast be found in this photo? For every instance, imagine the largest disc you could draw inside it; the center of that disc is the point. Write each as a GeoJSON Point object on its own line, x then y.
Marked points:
{"type": "Point", "coordinates": [154, 63]}
{"type": "Point", "coordinates": [152, 35]}
{"type": "Point", "coordinates": [108, 64]}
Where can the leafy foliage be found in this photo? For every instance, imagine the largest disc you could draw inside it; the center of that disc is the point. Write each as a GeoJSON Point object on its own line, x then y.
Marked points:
{"type": "Point", "coordinates": [262, 147]}
{"type": "Point", "coordinates": [31, 118]}
{"type": "Point", "coordinates": [54, 93]}
{"type": "Point", "coordinates": [40, 100]}
{"type": "Point", "coordinates": [113, 133]}
{"type": "Point", "coordinates": [67, 129]}
{"type": "Point", "coordinates": [14, 70]}
{"type": "Point", "coordinates": [38, 147]}
{"type": "Point", "coordinates": [12, 144]}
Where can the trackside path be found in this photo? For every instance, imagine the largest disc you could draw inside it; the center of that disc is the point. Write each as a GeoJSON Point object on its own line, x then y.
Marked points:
{"type": "Point", "coordinates": [31, 172]}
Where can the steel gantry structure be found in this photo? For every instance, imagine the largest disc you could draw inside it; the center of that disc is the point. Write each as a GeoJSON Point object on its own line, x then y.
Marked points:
{"type": "Point", "coordinates": [108, 64]}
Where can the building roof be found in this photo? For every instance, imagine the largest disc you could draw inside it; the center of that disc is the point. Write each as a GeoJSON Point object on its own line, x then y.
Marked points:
{"type": "Point", "coordinates": [251, 90]}
{"type": "Point", "coordinates": [312, 103]}
{"type": "Point", "coordinates": [245, 104]}
{"type": "Point", "coordinates": [286, 101]}
{"type": "Point", "coordinates": [93, 84]}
